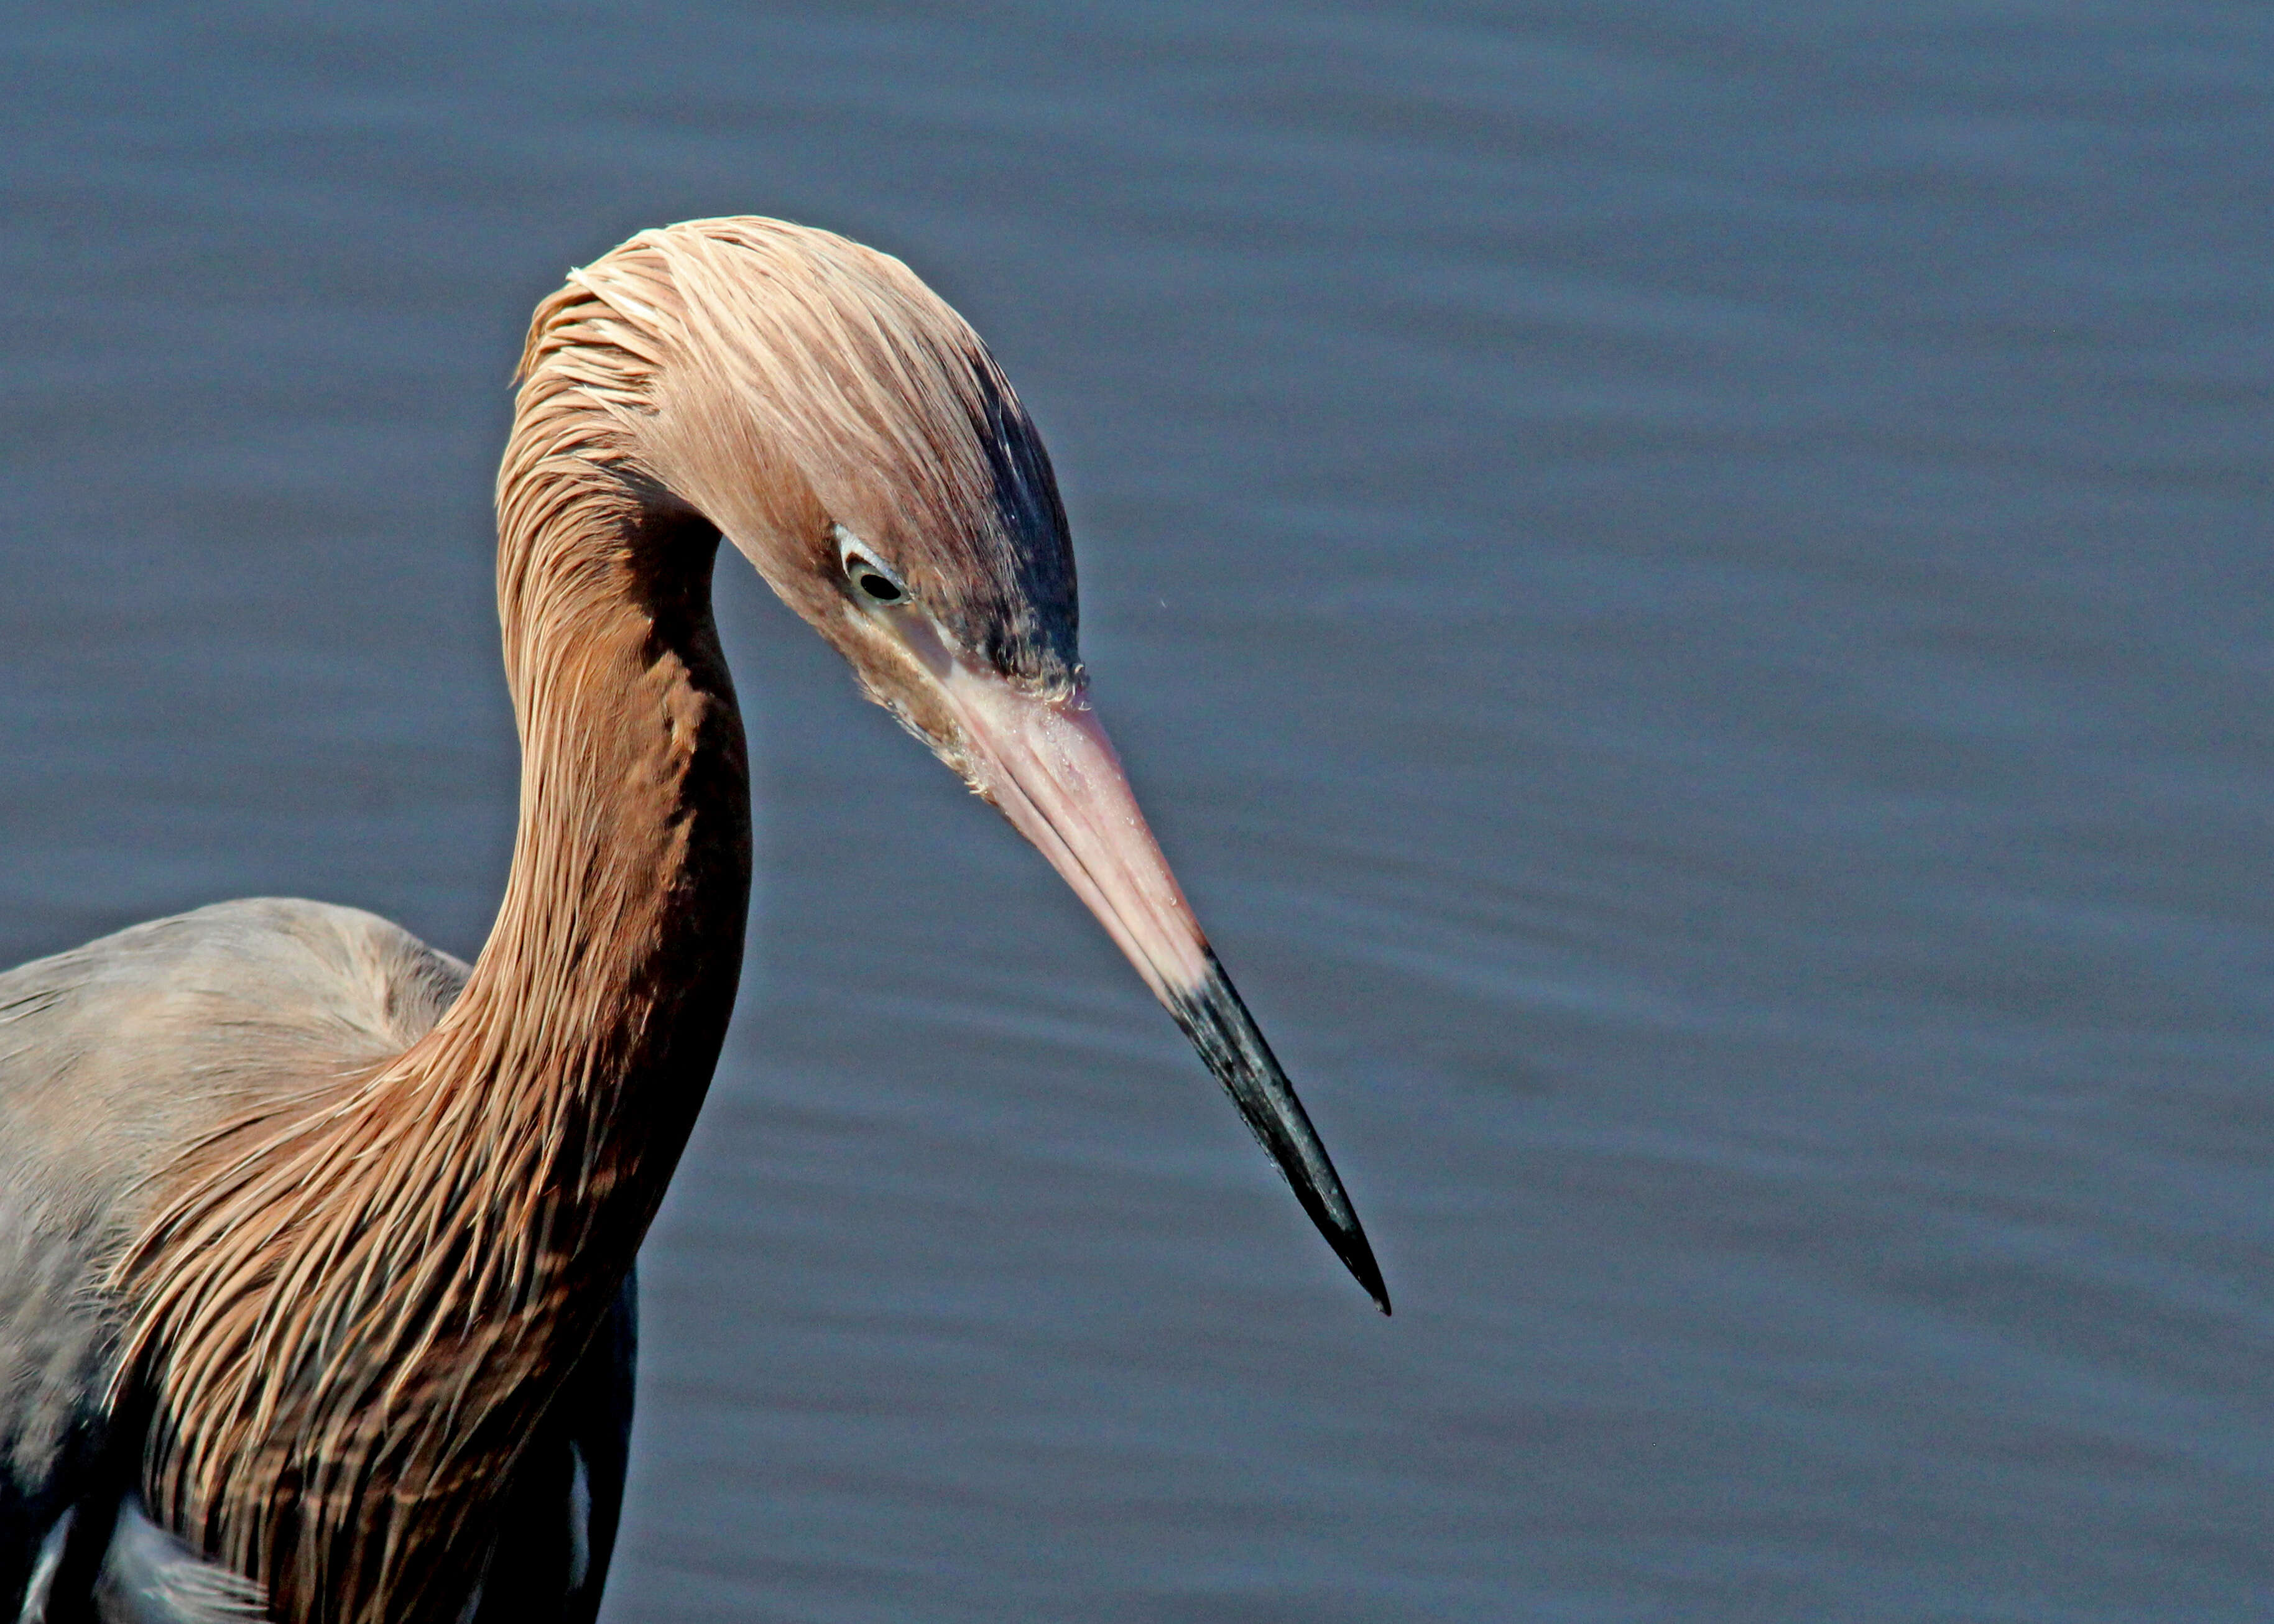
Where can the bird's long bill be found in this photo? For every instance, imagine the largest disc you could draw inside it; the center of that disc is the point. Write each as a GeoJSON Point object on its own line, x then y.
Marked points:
{"type": "Point", "coordinates": [1052, 771]}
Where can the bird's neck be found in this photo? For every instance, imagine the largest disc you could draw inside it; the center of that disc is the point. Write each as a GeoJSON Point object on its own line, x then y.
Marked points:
{"type": "Point", "coordinates": [353, 1323]}
{"type": "Point", "coordinates": [595, 1012]}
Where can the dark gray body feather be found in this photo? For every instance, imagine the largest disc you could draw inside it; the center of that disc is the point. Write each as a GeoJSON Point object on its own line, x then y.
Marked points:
{"type": "Point", "coordinates": [114, 1056]}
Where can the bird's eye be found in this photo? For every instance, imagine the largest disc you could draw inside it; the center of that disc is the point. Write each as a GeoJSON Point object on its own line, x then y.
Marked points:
{"type": "Point", "coordinates": [870, 577]}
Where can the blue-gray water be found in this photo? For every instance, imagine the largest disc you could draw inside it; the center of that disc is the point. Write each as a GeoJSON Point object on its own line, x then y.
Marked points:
{"type": "Point", "coordinates": [1687, 584]}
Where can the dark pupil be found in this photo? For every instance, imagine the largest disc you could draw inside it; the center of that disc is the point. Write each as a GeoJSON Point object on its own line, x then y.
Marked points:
{"type": "Point", "coordinates": [877, 587]}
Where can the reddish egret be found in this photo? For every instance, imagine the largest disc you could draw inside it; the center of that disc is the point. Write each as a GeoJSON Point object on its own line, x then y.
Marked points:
{"type": "Point", "coordinates": [316, 1245]}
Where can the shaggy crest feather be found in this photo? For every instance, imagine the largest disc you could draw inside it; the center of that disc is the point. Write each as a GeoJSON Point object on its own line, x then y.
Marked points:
{"type": "Point", "coordinates": [766, 373]}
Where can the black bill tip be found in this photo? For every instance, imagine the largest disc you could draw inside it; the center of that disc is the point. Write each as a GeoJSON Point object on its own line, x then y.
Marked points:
{"type": "Point", "coordinates": [1220, 1028]}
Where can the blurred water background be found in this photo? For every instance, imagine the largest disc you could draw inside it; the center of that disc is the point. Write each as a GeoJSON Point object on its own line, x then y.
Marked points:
{"type": "Point", "coordinates": [1688, 586]}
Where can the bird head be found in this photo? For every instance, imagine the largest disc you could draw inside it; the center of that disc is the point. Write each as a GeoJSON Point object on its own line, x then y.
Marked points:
{"type": "Point", "coordinates": [852, 436]}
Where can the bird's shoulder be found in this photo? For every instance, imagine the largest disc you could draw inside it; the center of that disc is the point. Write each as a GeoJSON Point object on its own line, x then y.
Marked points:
{"type": "Point", "coordinates": [114, 1058]}
{"type": "Point", "coordinates": [208, 1011]}
{"type": "Point", "coordinates": [117, 1055]}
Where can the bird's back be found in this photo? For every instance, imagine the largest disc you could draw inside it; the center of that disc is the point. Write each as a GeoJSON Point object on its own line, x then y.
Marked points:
{"type": "Point", "coordinates": [114, 1058]}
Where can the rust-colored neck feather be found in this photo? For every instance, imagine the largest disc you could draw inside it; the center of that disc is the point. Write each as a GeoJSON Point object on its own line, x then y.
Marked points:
{"type": "Point", "coordinates": [350, 1315]}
